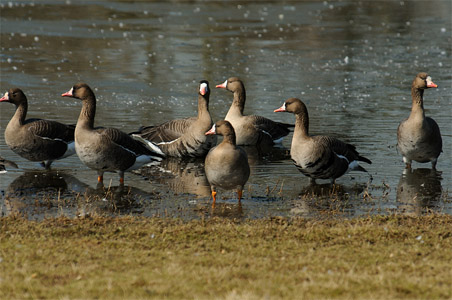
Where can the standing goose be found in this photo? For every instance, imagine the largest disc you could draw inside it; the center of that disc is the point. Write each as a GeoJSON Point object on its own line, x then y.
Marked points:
{"type": "Point", "coordinates": [226, 164]}
{"type": "Point", "coordinates": [319, 157]}
{"type": "Point", "coordinates": [185, 137]}
{"type": "Point", "coordinates": [251, 130]}
{"type": "Point", "coordinates": [36, 139]}
{"type": "Point", "coordinates": [107, 149]}
{"type": "Point", "coordinates": [418, 137]}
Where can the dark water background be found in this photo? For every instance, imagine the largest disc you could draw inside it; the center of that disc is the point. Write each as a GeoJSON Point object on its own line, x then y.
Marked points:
{"type": "Point", "coordinates": [352, 62]}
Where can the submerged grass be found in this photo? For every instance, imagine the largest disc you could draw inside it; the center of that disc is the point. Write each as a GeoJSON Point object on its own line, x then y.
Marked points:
{"type": "Point", "coordinates": [377, 257]}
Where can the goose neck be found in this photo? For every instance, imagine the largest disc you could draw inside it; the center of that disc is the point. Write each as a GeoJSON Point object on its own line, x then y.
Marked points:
{"type": "Point", "coordinates": [88, 113]}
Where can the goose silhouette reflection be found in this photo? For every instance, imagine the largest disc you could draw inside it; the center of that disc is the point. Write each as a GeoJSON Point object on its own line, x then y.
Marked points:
{"type": "Point", "coordinates": [181, 176]}
{"type": "Point", "coordinates": [36, 193]}
{"type": "Point", "coordinates": [419, 191]}
{"type": "Point", "coordinates": [4, 163]}
{"type": "Point", "coordinates": [43, 193]}
{"type": "Point", "coordinates": [33, 182]}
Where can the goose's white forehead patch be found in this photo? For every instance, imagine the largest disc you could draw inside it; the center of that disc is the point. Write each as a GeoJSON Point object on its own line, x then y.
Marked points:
{"type": "Point", "coordinates": [6, 95]}
{"type": "Point", "coordinates": [203, 86]}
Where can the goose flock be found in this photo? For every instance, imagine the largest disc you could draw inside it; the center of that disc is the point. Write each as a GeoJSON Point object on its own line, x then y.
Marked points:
{"type": "Point", "coordinates": [226, 164]}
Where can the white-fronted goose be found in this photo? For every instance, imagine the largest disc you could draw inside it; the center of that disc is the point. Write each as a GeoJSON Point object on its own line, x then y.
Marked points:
{"type": "Point", "coordinates": [251, 130]}
{"type": "Point", "coordinates": [226, 164]}
{"type": "Point", "coordinates": [418, 137]}
{"type": "Point", "coordinates": [36, 139]}
{"type": "Point", "coordinates": [107, 149]}
{"type": "Point", "coordinates": [185, 137]}
{"type": "Point", "coordinates": [319, 157]}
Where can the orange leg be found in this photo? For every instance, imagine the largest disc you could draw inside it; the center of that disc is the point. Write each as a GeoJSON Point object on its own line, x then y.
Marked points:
{"type": "Point", "coordinates": [121, 177]}
{"type": "Point", "coordinates": [239, 194]}
{"type": "Point", "coordinates": [214, 197]}
{"type": "Point", "coordinates": [100, 178]}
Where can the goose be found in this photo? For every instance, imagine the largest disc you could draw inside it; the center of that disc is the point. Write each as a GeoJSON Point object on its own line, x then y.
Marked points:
{"type": "Point", "coordinates": [319, 157]}
{"type": "Point", "coordinates": [226, 164]}
{"type": "Point", "coordinates": [419, 137]}
{"type": "Point", "coordinates": [185, 137]}
{"type": "Point", "coordinates": [107, 149]}
{"type": "Point", "coordinates": [36, 139]}
{"type": "Point", "coordinates": [251, 130]}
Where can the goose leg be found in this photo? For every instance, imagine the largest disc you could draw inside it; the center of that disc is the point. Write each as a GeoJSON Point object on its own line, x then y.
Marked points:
{"type": "Point", "coordinates": [48, 163]}
{"type": "Point", "coordinates": [407, 162]}
{"type": "Point", "coordinates": [239, 195]}
{"type": "Point", "coordinates": [100, 185]}
{"type": "Point", "coordinates": [434, 163]}
{"type": "Point", "coordinates": [100, 176]}
{"type": "Point", "coordinates": [214, 198]}
{"type": "Point", "coordinates": [121, 177]}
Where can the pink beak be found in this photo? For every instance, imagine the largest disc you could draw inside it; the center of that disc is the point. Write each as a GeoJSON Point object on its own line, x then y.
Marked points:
{"type": "Point", "coordinates": [282, 108]}
{"type": "Point", "coordinates": [5, 97]}
{"type": "Point", "coordinates": [211, 131]}
{"type": "Point", "coordinates": [68, 93]}
{"type": "Point", "coordinates": [223, 85]}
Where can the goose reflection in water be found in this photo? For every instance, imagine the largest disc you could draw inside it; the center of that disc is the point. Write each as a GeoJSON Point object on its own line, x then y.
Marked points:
{"type": "Point", "coordinates": [181, 176]}
{"type": "Point", "coordinates": [37, 194]}
{"type": "Point", "coordinates": [4, 163]}
{"type": "Point", "coordinates": [34, 182]}
{"type": "Point", "coordinates": [419, 191]}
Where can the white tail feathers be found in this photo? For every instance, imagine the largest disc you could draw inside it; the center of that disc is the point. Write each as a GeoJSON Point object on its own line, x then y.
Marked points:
{"type": "Point", "coordinates": [150, 145]}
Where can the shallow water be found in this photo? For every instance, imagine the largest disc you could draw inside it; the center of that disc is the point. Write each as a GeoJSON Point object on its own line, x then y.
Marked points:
{"type": "Point", "coordinates": [351, 62]}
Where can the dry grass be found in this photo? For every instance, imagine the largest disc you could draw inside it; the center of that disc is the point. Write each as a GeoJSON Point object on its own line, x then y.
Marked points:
{"type": "Point", "coordinates": [375, 257]}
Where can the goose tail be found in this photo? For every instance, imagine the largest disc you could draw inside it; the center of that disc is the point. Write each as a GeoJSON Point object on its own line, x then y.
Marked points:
{"type": "Point", "coordinates": [149, 145]}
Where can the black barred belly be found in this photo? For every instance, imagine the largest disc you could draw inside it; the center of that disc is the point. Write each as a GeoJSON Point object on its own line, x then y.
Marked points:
{"type": "Point", "coordinates": [324, 169]}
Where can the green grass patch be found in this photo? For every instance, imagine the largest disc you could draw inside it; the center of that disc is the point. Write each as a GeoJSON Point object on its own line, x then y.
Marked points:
{"type": "Point", "coordinates": [378, 257]}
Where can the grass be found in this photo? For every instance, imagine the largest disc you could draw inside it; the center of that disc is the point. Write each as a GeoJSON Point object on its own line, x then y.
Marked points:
{"type": "Point", "coordinates": [379, 257]}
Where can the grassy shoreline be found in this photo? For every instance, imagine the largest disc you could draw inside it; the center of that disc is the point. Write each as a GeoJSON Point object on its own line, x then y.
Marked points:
{"type": "Point", "coordinates": [101, 257]}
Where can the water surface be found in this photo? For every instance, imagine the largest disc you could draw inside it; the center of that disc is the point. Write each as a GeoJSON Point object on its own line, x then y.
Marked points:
{"type": "Point", "coordinates": [351, 62]}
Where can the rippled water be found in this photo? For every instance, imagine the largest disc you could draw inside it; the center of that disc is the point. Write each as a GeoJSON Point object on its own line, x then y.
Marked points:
{"type": "Point", "coordinates": [351, 62]}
